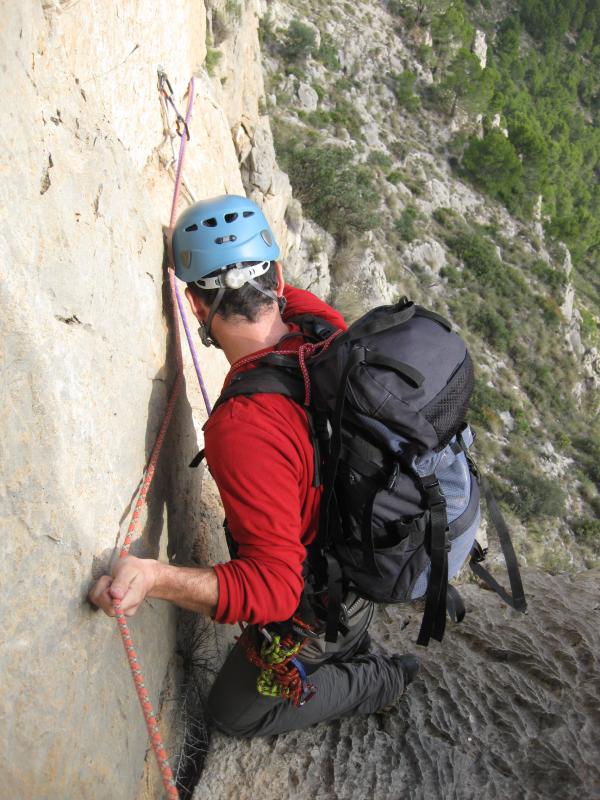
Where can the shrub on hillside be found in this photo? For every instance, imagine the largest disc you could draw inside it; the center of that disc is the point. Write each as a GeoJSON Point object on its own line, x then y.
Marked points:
{"type": "Point", "coordinates": [338, 193]}
{"type": "Point", "coordinates": [587, 531]}
{"type": "Point", "coordinates": [532, 494]}
{"type": "Point", "coordinates": [446, 217]}
{"type": "Point", "coordinates": [493, 164]}
{"type": "Point", "coordinates": [465, 85]}
{"type": "Point", "coordinates": [405, 225]}
{"type": "Point", "coordinates": [300, 41]}
{"type": "Point", "coordinates": [554, 279]}
{"type": "Point", "coordinates": [493, 327]}
{"type": "Point", "coordinates": [484, 406]}
{"type": "Point", "coordinates": [402, 85]}
{"type": "Point", "coordinates": [327, 53]}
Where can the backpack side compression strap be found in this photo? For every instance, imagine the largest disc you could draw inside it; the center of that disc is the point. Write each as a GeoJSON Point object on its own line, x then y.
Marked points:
{"type": "Point", "coordinates": [434, 617]}
{"type": "Point", "coordinates": [517, 600]}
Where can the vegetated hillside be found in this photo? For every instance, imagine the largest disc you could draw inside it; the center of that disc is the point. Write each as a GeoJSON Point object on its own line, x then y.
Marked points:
{"type": "Point", "coordinates": [457, 146]}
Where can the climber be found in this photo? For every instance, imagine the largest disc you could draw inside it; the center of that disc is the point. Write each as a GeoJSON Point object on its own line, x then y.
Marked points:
{"type": "Point", "coordinates": [260, 453]}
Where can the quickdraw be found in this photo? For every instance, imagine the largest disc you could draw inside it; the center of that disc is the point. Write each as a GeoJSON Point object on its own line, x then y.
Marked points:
{"type": "Point", "coordinates": [166, 91]}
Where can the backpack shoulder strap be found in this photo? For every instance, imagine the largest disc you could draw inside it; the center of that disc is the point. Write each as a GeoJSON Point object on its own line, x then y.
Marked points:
{"type": "Point", "coordinates": [273, 375]}
{"type": "Point", "coordinates": [315, 329]}
{"type": "Point", "coordinates": [264, 379]}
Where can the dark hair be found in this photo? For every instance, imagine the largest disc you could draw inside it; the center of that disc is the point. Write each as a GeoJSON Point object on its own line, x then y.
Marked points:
{"type": "Point", "coordinates": [245, 302]}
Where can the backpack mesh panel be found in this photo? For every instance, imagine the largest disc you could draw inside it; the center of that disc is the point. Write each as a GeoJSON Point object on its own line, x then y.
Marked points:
{"type": "Point", "coordinates": [447, 411]}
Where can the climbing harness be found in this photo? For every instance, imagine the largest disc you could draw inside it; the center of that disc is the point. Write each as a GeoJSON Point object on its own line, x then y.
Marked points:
{"type": "Point", "coordinates": [182, 125]}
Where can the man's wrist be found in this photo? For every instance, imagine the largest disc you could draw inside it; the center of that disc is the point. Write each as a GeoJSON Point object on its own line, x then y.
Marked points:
{"type": "Point", "coordinates": [194, 588]}
{"type": "Point", "coordinates": [158, 579]}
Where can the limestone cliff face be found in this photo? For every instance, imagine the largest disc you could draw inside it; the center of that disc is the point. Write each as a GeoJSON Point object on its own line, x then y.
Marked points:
{"type": "Point", "coordinates": [87, 363]}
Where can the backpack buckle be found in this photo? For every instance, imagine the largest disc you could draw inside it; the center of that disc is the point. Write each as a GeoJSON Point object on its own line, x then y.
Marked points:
{"type": "Point", "coordinates": [433, 492]}
{"type": "Point", "coordinates": [478, 553]}
{"type": "Point", "coordinates": [393, 477]}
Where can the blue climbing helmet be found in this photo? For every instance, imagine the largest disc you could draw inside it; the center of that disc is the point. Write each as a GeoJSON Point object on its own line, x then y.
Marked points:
{"type": "Point", "coordinates": [223, 243]}
{"type": "Point", "coordinates": [218, 233]}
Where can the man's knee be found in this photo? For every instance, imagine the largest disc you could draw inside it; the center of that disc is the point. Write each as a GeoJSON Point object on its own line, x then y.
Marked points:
{"type": "Point", "coordinates": [230, 720]}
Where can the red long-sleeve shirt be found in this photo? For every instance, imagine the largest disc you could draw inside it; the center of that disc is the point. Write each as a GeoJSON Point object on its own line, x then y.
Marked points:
{"type": "Point", "coordinates": [260, 454]}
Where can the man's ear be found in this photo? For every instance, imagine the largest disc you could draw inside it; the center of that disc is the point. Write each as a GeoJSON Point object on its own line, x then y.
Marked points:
{"type": "Point", "coordinates": [199, 308]}
{"type": "Point", "coordinates": [280, 280]}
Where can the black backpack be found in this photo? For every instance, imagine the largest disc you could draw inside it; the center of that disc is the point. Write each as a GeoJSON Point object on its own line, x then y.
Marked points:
{"type": "Point", "coordinates": [386, 402]}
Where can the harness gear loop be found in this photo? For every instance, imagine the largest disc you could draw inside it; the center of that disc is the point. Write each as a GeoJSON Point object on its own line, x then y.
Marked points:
{"type": "Point", "coordinates": [282, 674]}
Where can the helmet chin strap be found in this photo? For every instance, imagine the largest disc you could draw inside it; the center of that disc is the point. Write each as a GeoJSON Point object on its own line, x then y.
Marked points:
{"type": "Point", "coordinates": [204, 329]}
{"type": "Point", "coordinates": [281, 301]}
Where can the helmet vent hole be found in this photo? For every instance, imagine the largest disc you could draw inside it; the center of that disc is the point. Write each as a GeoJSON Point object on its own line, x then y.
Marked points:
{"type": "Point", "coordinates": [248, 213]}
{"type": "Point", "coordinates": [211, 222]}
{"type": "Point", "coordinates": [191, 228]}
{"type": "Point", "coordinates": [231, 217]}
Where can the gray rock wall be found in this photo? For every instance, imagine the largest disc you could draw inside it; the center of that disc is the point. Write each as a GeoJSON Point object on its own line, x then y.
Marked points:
{"type": "Point", "coordinates": [87, 362]}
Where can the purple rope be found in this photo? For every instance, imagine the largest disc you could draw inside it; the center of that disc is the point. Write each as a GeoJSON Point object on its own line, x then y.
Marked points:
{"type": "Point", "coordinates": [178, 176]}
{"type": "Point", "coordinates": [182, 146]}
{"type": "Point", "coordinates": [193, 352]}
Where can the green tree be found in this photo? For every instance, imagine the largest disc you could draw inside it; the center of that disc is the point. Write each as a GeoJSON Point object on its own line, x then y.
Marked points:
{"type": "Point", "coordinates": [466, 84]}
{"type": "Point", "coordinates": [418, 12]}
{"type": "Point", "coordinates": [451, 29]}
{"type": "Point", "coordinates": [405, 225]}
{"type": "Point", "coordinates": [403, 87]}
{"type": "Point", "coordinates": [528, 139]}
{"type": "Point", "coordinates": [493, 164]}
{"type": "Point", "coordinates": [532, 494]}
{"type": "Point", "coordinates": [327, 53]}
{"type": "Point", "coordinates": [300, 41]}
{"type": "Point", "coordinates": [551, 19]}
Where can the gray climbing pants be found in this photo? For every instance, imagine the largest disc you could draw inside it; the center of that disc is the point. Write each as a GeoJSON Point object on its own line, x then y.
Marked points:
{"type": "Point", "coordinates": [353, 685]}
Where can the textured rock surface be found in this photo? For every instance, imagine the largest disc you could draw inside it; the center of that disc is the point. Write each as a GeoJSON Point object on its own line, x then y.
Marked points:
{"type": "Point", "coordinates": [508, 706]}
{"type": "Point", "coordinates": [430, 255]}
{"type": "Point", "coordinates": [360, 281]}
{"type": "Point", "coordinates": [86, 188]}
{"type": "Point", "coordinates": [310, 251]}
{"type": "Point", "coordinates": [480, 48]}
{"type": "Point", "coordinates": [308, 99]}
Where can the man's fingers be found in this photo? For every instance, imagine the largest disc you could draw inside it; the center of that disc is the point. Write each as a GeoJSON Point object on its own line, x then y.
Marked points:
{"type": "Point", "coordinates": [117, 591]}
{"type": "Point", "coordinates": [130, 598]}
{"type": "Point", "coordinates": [128, 586]}
{"type": "Point", "coordinates": [99, 595]}
{"type": "Point", "coordinates": [131, 582]}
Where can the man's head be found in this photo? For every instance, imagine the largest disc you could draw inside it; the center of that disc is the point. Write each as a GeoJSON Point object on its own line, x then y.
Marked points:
{"type": "Point", "coordinates": [223, 248]}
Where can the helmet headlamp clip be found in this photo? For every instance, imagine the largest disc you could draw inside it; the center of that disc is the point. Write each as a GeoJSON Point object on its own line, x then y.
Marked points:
{"type": "Point", "coordinates": [234, 276]}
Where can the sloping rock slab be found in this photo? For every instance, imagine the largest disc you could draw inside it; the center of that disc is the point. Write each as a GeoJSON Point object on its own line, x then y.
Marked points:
{"type": "Point", "coordinates": [508, 706]}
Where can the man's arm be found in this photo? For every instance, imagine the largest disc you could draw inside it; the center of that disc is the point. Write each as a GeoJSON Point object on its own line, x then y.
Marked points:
{"type": "Point", "coordinates": [260, 455]}
{"type": "Point", "coordinates": [134, 579]}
